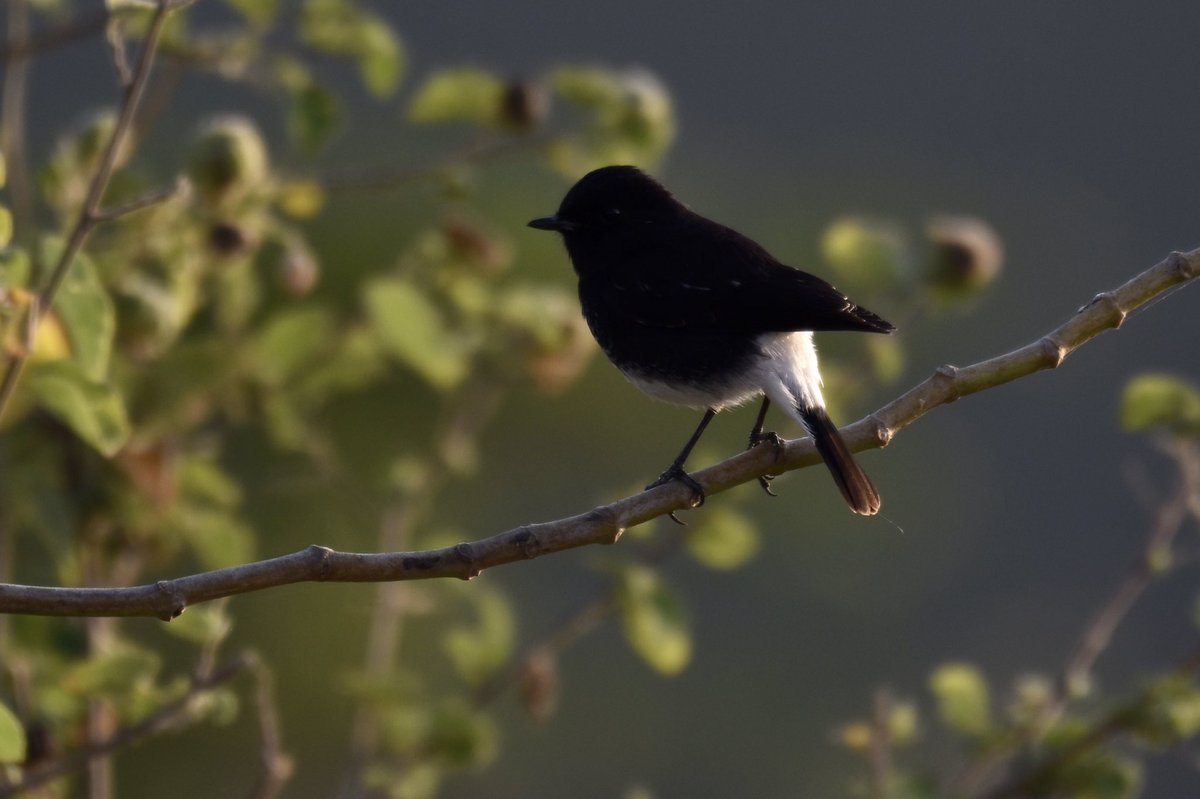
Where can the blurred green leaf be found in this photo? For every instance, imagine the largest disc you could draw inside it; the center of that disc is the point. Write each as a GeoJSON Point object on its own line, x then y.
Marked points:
{"type": "Point", "coordinates": [341, 28]}
{"type": "Point", "coordinates": [6, 226]}
{"type": "Point", "coordinates": [461, 736]}
{"type": "Point", "coordinates": [313, 116]}
{"type": "Point", "coordinates": [654, 620]}
{"type": "Point", "coordinates": [887, 356]}
{"type": "Point", "coordinates": [202, 480]}
{"type": "Point", "coordinates": [724, 539]}
{"type": "Point", "coordinates": [258, 12]}
{"type": "Point", "coordinates": [204, 624]}
{"type": "Point", "coordinates": [412, 329]}
{"type": "Point", "coordinates": [228, 159]}
{"type": "Point", "coordinates": [631, 119]}
{"type": "Point", "coordinates": [218, 538]}
{"type": "Point", "coordinates": [1167, 712]}
{"type": "Point", "coordinates": [95, 411]}
{"type": "Point", "coordinates": [1099, 774]}
{"type": "Point", "coordinates": [86, 313]}
{"type": "Point", "coordinates": [3, 170]}
{"type": "Point", "coordinates": [112, 674]}
{"type": "Point", "coordinates": [356, 361]}
{"type": "Point", "coordinates": [15, 267]}
{"type": "Point", "coordinates": [289, 343]}
{"type": "Point", "coordinates": [419, 781]}
{"type": "Point", "coordinates": [12, 737]}
{"type": "Point", "coordinates": [480, 650]}
{"type": "Point", "coordinates": [962, 696]}
{"type": "Point", "coordinates": [464, 94]}
{"type": "Point", "coordinates": [380, 57]}
{"type": "Point", "coordinates": [1161, 401]}
{"type": "Point", "coordinates": [867, 254]}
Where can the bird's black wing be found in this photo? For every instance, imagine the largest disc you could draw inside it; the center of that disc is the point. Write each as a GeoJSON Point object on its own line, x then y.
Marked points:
{"type": "Point", "coordinates": [713, 280]}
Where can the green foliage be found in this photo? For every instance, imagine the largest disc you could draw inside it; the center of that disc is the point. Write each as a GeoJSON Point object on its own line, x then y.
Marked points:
{"type": "Point", "coordinates": [85, 312]}
{"type": "Point", "coordinates": [629, 119]}
{"type": "Point", "coordinates": [195, 336]}
{"type": "Point", "coordinates": [414, 331]}
{"type": "Point", "coordinates": [341, 28]}
{"type": "Point", "coordinates": [466, 94]}
{"type": "Point", "coordinates": [963, 698]}
{"type": "Point", "coordinates": [12, 737]}
{"type": "Point", "coordinates": [867, 254]}
{"type": "Point", "coordinates": [94, 410]}
{"type": "Point", "coordinates": [228, 159]}
{"type": "Point", "coordinates": [654, 620]}
{"type": "Point", "coordinates": [313, 116]}
{"type": "Point", "coordinates": [1161, 402]}
{"type": "Point", "coordinates": [723, 539]}
{"type": "Point", "coordinates": [479, 650]}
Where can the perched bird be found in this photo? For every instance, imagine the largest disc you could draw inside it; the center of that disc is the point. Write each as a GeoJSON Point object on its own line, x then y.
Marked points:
{"type": "Point", "coordinates": [697, 314]}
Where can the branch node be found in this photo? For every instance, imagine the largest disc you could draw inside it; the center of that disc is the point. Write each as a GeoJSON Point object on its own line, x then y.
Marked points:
{"type": "Point", "coordinates": [177, 601]}
{"type": "Point", "coordinates": [947, 376]}
{"type": "Point", "coordinates": [880, 430]}
{"type": "Point", "coordinates": [321, 560]}
{"type": "Point", "coordinates": [1053, 353]}
{"type": "Point", "coordinates": [526, 539]}
{"type": "Point", "coordinates": [1117, 314]}
{"type": "Point", "coordinates": [606, 518]}
{"type": "Point", "coordinates": [466, 553]}
{"type": "Point", "coordinates": [1181, 264]}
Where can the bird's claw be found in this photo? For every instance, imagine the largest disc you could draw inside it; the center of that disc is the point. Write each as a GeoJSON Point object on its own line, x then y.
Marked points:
{"type": "Point", "coordinates": [769, 437]}
{"type": "Point", "coordinates": [676, 473]}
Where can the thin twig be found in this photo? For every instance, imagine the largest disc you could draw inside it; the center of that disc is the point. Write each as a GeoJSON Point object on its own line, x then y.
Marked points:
{"type": "Point", "coordinates": [1034, 781]}
{"type": "Point", "coordinates": [277, 764]}
{"type": "Point", "coordinates": [469, 412]}
{"type": "Point", "coordinates": [605, 524]}
{"type": "Point", "coordinates": [12, 121]}
{"type": "Point", "coordinates": [89, 215]}
{"type": "Point", "coordinates": [165, 718]}
{"type": "Point", "coordinates": [1098, 633]}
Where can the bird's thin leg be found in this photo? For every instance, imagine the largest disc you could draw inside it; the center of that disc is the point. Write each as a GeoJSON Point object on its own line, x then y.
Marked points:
{"type": "Point", "coordinates": [675, 470]}
{"type": "Point", "coordinates": [757, 436]}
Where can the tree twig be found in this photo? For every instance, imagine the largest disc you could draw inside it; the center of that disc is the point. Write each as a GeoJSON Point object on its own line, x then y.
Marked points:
{"type": "Point", "coordinates": [163, 719]}
{"type": "Point", "coordinates": [605, 524]}
{"type": "Point", "coordinates": [90, 215]}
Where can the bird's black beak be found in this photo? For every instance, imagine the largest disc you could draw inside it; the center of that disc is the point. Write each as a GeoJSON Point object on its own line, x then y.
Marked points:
{"type": "Point", "coordinates": [551, 223]}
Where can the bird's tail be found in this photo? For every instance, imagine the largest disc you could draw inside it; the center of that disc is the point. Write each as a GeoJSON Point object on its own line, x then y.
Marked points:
{"type": "Point", "coordinates": [856, 487]}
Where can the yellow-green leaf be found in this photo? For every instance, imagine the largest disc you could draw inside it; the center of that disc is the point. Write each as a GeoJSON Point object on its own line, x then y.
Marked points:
{"type": "Point", "coordinates": [1161, 401]}
{"type": "Point", "coordinates": [479, 650]}
{"type": "Point", "coordinates": [654, 621]}
{"type": "Point", "coordinates": [95, 411]}
{"type": "Point", "coordinates": [289, 343]}
{"type": "Point", "coordinates": [412, 329]}
{"type": "Point", "coordinates": [962, 695]}
{"type": "Point", "coordinates": [12, 737]}
{"type": "Point", "coordinates": [724, 539]}
{"type": "Point", "coordinates": [85, 310]}
{"type": "Point", "coordinates": [867, 253]}
{"type": "Point", "coordinates": [465, 94]}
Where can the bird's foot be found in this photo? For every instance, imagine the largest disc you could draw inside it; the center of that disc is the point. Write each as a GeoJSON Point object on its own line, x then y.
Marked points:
{"type": "Point", "coordinates": [676, 473]}
{"type": "Point", "coordinates": [769, 437]}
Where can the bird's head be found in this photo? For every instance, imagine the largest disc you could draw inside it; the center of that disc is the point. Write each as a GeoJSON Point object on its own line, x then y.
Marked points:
{"type": "Point", "coordinates": [609, 200]}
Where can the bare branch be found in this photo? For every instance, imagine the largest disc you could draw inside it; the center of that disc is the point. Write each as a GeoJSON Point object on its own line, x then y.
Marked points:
{"type": "Point", "coordinates": [605, 524]}
{"type": "Point", "coordinates": [89, 215]}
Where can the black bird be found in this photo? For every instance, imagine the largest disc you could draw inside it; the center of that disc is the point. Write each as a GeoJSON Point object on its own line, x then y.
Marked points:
{"type": "Point", "coordinates": [697, 314]}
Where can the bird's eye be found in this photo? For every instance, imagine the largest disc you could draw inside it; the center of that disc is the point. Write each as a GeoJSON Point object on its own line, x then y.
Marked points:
{"type": "Point", "coordinates": [613, 213]}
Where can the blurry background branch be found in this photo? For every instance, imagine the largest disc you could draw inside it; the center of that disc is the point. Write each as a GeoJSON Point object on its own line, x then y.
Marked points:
{"type": "Point", "coordinates": [605, 524]}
